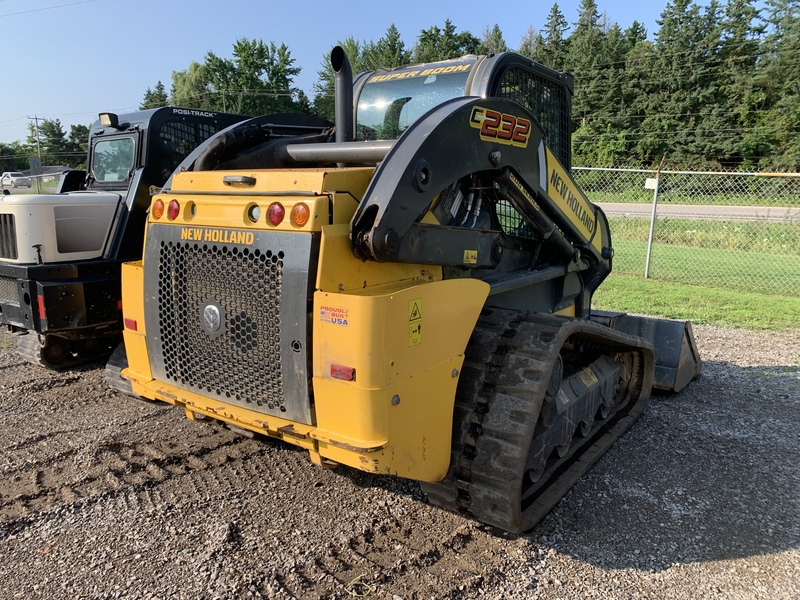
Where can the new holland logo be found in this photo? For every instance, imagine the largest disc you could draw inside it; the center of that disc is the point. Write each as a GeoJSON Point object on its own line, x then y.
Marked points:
{"type": "Point", "coordinates": [212, 319]}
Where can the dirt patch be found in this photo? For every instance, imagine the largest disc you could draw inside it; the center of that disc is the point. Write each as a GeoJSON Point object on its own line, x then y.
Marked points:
{"type": "Point", "coordinates": [104, 496]}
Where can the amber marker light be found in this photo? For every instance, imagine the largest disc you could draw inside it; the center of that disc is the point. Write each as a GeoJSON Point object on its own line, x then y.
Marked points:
{"type": "Point", "coordinates": [173, 210]}
{"type": "Point", "coordinates": [158, 208]}
{"type": "Point", "coordinates": [300, 214]}
{"type": "Point", "coordinates": [275, 213]}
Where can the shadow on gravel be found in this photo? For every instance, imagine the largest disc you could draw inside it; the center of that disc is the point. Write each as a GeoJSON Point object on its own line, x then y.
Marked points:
{"type": "Point", "coordinates": [710, 474]}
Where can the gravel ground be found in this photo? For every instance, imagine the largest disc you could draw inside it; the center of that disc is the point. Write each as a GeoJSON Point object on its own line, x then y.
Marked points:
{"type": "Point", "coordinates": [104, 496]}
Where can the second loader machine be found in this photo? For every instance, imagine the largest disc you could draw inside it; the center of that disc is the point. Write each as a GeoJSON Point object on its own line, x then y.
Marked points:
{"type": "Point", "coordinates": [410, 297]}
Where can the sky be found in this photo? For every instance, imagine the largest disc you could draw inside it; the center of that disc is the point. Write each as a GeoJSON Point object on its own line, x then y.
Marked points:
{"type": "Point", "coordinates": [71, 59]}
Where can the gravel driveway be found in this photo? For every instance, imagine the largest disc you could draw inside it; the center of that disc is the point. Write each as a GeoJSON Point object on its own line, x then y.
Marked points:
{"type": "Point", "coordinates": [104, 496]}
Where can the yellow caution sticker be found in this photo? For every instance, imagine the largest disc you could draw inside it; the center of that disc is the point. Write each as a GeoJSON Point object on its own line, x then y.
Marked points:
{"type": "Point", "coordinates": [470, 257]}
{"type": "Point", "coordinates": [587, 377]}
{"type": "Point", "coordinates": [415, 322]}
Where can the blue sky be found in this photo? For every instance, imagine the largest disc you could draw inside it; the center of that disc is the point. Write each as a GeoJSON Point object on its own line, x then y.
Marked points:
{"type": "Point", "coordinates": [71, 59]}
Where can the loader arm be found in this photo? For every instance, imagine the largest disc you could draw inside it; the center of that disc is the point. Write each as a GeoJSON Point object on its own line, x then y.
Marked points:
{"type": "Point", "coordinates": [503, 142]}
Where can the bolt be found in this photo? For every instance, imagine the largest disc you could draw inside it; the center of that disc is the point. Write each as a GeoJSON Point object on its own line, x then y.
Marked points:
{"type": "Point", "coordinates": [455, 373]}
{"type": "Point", "coordinates": [395, 400]}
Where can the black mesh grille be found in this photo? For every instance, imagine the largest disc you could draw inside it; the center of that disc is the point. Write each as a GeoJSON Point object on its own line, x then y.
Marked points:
{"type": "Point", "coordinates": [8, 237]}
{"type": "Point", "coordinates": [549, 103]}
{"type": "Point", "coordinates": [511, 222]}
{"type": "Point", "coordinates": [176, 139]}
{"type": "Point", "coordinates": [243, 364]}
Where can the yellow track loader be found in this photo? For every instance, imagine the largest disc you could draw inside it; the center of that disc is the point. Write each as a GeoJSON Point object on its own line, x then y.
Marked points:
{"type": "Point", "coordinates": [408, 293]}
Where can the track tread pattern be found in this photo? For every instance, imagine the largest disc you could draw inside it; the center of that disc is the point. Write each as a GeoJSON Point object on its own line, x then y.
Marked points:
{"type": "Point", "coordinates": [507, 369]}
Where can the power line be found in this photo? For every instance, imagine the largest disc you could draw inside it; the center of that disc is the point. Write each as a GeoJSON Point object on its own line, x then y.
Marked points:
{"type": "Point", "coordinates": [24, 12]}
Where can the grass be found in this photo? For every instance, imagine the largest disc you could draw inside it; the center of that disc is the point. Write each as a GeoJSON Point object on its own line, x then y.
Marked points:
{"type": "Point", "coordinates": [701, 305]}
{"type": "Point", "coordinates": [643, 196]}
{"type": "Point", "coordinates": [734, 270]}
{"type": "Point", "coordinates": [738, 256]}
{"type": "Point", "coordinates": [751, 236]}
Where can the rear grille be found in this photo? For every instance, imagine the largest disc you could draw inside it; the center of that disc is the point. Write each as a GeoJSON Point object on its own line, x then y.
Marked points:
{"type": "Point", "coordinates": [8, 291]}
{"type": "Point", "coordinates": [243, 362]}
{"type": "Point", "coordinates": [8, 237]}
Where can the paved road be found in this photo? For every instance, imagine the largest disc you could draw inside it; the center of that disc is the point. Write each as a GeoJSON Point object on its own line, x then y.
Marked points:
{"type": "Point", "coordinates": [726, 213]}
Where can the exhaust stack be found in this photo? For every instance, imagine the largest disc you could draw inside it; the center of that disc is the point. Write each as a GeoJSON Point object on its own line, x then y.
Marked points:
{"type": "Point", "coordinates": [343, 86]}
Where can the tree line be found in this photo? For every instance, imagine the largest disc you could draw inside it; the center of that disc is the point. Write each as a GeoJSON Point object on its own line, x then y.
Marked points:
{"type": "Point", "coordinates": [717, 85]}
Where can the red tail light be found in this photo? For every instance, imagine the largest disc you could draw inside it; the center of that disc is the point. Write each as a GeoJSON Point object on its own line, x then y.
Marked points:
{"type": "Point", "coordinates": [275, 213]}
{"type": "Point", "coordinates": [342, 372]}
{"type": "Point", "coordinates": [173, 210]}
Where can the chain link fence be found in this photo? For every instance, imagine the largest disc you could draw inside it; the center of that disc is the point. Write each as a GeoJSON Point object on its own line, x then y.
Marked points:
{"type": "Point", "coordinates": [737, 231]}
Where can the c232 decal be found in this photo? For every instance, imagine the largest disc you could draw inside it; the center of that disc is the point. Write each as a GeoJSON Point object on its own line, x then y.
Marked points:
{"type": "Point", "coordinates": [502, 128]}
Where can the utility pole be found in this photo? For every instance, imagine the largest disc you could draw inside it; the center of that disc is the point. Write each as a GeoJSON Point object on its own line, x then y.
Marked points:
{"type": "Point", "coordinates": [35, 118]}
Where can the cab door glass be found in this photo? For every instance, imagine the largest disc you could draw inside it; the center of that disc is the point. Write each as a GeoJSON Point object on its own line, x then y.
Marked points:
{"type": "Point", "coordinates": [112, 160]}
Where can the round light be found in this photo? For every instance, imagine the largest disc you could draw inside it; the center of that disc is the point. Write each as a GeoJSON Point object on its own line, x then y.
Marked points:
{"type": "Point", "coordinates": [158, 208]}
{"type": "Point", "coordinates": [300, 214]}
{"type": "Point", "coordinates": [173, 209]}
{"type": "Point", "coordinates": [254, 213]}
{"type": "Point", "coordinates": [275, 213]}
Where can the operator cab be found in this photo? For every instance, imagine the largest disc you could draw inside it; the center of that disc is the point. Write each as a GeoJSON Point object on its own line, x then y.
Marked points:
{"type": "Point", "coordinates": [389, 101]}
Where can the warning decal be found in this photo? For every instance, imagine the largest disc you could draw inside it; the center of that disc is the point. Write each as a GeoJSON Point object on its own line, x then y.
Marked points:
{"type": "Point", "coordinates": [415, 322]}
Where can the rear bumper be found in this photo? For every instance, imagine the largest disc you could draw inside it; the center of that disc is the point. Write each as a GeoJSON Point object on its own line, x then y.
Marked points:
{"type": "Point", "coordinates": [72, 300]}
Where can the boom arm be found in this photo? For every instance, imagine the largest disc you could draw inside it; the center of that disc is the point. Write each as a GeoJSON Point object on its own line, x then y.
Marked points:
{"type": "Point", "coordinates": [457, 139]}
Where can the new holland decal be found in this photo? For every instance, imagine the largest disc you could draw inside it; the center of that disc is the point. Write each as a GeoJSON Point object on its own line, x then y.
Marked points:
{"type": "Point", "coordinates": [224, 236]}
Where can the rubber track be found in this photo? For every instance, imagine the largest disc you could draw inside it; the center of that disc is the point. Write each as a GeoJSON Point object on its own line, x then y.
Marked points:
{"type": "Point", "coordinates": [113, 372]}
{"type": "Point", "coordinates": [30, 350]}
{"type": "Point", "coordinates": [506, 372]}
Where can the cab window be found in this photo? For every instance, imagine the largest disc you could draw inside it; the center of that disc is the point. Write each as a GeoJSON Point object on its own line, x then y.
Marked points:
{"type": "Point", "coordinates": [112, 160]}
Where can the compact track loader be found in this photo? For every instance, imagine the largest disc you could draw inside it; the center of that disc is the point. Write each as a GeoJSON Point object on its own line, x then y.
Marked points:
{"type": "Point", "coordinates": [408, 295]}
{"type": "Point", "coordinates": [60, 254]}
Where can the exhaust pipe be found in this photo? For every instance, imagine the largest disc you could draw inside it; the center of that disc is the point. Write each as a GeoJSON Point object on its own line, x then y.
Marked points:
{"type": "Point", "coordinates": [343, 86]}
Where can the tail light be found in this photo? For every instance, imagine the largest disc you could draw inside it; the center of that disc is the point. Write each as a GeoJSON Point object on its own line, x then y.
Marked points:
{"type": "Point", "coordinates": [300, 214]}
{"type": "Point", "coordinates": [275, 213]}
{"type": "Point", "coordinates": [158, 208]}
{"type": "Point", "coordinates": [173, 210]}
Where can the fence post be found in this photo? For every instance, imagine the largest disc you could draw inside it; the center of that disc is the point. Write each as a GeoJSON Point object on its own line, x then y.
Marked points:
{"type": "Point", "coordinates": [652, 184]}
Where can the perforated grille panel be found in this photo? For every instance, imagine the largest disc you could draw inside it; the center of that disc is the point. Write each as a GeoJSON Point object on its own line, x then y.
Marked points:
{"type": "Point", "coordinates": [8, 237]}
{"type": "Point", "coordinates": [231, 320]}
{"type": "Point", "coordinates": [244, 363]}
{"type": "Point", "coordinates": [8, 290]}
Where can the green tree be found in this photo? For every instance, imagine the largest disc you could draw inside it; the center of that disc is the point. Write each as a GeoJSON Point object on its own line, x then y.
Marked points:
{"type": "Point", "coordinates": [737, 73]}
{"type": "Point", "coordinates": [493, 41]}
{"type": "Point", "coordinates": [553, 49]}
{"type": "Point", "coordinates": [258, 80]}
{"type": "Point", "coordinates": [388, 52]}
{"type": "Point", "coordinates": [79, 143]}
{"type": "Point", "coordinates": [435, 44]}
{"type": "Point", "coordinates": [14, 156]}
{"type": "Point", "coordinates": [681, 98]}
{"type": "Point", "coordinates": [780, 84]}
{"type": "Point", "coordinates": [191, 88]}
{"type": "Point", "coordinates": [155, 98]}
{"type": "Point", "coordinates": [55, 147]}
{"type": "Point", "coordinates": [531, 44]}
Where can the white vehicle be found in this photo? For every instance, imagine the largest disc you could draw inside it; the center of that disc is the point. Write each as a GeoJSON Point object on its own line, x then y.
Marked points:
{"type": "Point", "coordinates": [15, 179]}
